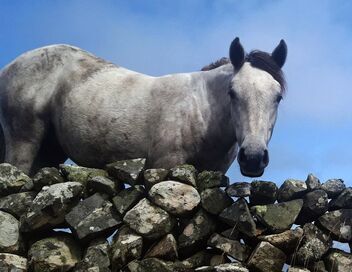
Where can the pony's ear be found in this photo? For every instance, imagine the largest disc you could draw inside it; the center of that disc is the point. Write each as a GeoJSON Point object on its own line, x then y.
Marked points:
{"type": "Point", "coordinates": [236, 53]}
{"type": "Point", "coordinates": [280, 53]}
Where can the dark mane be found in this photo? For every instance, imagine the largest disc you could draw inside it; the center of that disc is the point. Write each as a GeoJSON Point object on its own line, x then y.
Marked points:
{"type": "Point", "coordinates": [257, 59]}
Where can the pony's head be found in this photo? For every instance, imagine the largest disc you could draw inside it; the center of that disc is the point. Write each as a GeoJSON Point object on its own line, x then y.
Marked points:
{"type": "Point", "coordinates": [255, 91]}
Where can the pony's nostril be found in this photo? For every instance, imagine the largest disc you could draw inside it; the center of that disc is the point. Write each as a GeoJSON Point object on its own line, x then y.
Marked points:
{"type": "Point", "coordinates": [266, 157]}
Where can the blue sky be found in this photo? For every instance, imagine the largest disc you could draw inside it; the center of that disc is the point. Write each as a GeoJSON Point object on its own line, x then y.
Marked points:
{"type": "Point", "coordinates": [314, 128]}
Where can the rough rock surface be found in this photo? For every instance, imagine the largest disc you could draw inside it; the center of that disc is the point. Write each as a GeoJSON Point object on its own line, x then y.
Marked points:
{"type": "Point", "coordinates": [184, 173]}
{"type": "Point", "coordinates": [80, 174]}
{"type": "Point", "coordinates": [128, 171]}
{"type": "Point", "coordinates": [315, 203]}
{"type": "Point", "coordinates": [154, 176]}
{"type": "Point", "coordinates": [312, 182]}
{"type": "Point", "coordinates": [211, 179]}
{"type": "Point", "coordinates": [10, 239]}
{"type": "Point", "coordinates": [45, 177]}
{"type": "Point", "coordinates": [59, 253]}
{"type": "Point", "coordinates": [233, 248]}
{"type": "Point", "coordinates": [263, 192]}
{"type": "Point", "coordinates": [92, 217]}
{"type": "Point", "coordinates": [228, 267]}
{"type": "Point", "coordinates": [343, 201]}
{"type": "Point", "coordinates": [11, 179]}
{"type": "Point", "coordinates": [297, 269]}
{"type": "Point", "coordinates": [165, 249]}
{"type": "Point", "coordinates": [215, 200]}
{"type": "Point", "coordinates": [103, 185]}
{"type": "Point", "coordinates": [287, 241]}
{"type": "Point", "coordinates": [17, 204]}
{"type": "Point", "coordinates": [338, 260]}
{"type": "Point", "coordinates": [338, 223]}
{"type": "Point", "coordinates": [50, 205]}
{"type": "Point", "coordinates": [12, 263]}
{"type": "Point", "coordinates": [333, 187]}
{"type": "Point", "coordinates": [266, 257]}
{"type": "Point", "coordinates": [278, 217]}
{"type": "Point", "coordinates": [238, 215]}
{"type": "Point", "coordinates": [239, 189]}
{"type": "Point", "coordinates": [96, 257]}
{"type": "Point", "coordinates": [174, 197]}
{"type": "Point", "coordinates": [149, 220]}
{"type": "Point", "coordinates": [196, 233]}
{"type": "Point", "coordinates": [149, 265]}
{"type": "Point", "coordinates": [291, 189]}
{"type": "Point", "coordinates": [127, 246]}
{"type": "Point", "coordinates": [127, 198]}
{"type": "Point", "coordinates": [314, 245]}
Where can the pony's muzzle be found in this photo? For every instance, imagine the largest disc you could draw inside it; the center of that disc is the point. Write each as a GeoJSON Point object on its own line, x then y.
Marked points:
{"type": "Point", "coordinates": [252, 163]}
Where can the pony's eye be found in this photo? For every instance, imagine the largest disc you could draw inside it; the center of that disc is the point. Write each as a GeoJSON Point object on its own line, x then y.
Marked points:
{"type": "Point", "coordinates": [278, 98]}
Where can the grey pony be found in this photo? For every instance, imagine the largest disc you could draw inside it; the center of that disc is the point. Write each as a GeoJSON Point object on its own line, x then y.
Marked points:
{"type": "Point", "coordinates": [60, 102]}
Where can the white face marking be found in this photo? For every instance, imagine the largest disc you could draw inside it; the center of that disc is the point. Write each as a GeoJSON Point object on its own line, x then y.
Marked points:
{"type": "Point", "coordinates": [255, 102]}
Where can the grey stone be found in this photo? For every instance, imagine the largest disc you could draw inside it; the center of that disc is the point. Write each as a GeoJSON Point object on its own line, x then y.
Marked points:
{"type": "Point", "coordinates": [338, 260]}
{"type": "Point", "coordinates": [333, 187]}
{"type": "Point", "coordinates": [80, 174]}
{"type": "Point", "coordinates": [127, 198]}
{"type": "Point", "coordinates": [165, 249]}
{"type": "Point", "coordinates": [196, 233]}
{"type": "Point", "coordinates": [60, 253]}
{"type": "Point", "coordinates": [127, 171]}
{"type": "Point", "coordinates": [266, 257]}
{"type": "Point", "coordinates": [92, 217]}
{"type": "Point", "coordinates": [184, 173]}
{"type": "Point", "coordinates": [149, 265]}
{"type": "Point", "coordinates": [263, 192]}
{"type": "Point", "coordinates": [201, 258]}
{"type": "Point", "coordinates": [17, 204]}
{"type": "Point", "coordinates": [96, 257]}
{"type": "Point", "coordinates": [228, 267]}
{"type": "Point", "coordinates": [313, 246]}
{"type": "Point", "coordinates": [338, 223]}
{"type": "Point", "coordinates": [297, 269]}
{"type": "Point", "coordinates": [291, 189]}
{"type": "Point", "coordinates": [11, 179]}
{"type": "Point", "coordinates": [318, 266]}
{"type": "Point", "coordinates": [215, 200]}
{"type": "Point", "coordinates": [278, 217]}
{"type": "Point", "coordinates": [154, 176]}
{"type": "Point", "coordinates": [126, 247]}
{"type": "Point", "coordinates": [50, 206]}
{"type": "Point", "coordinates": [211, 179]}
{"type": "Point", "coordinates": [10, 237]}
{"type": "Point", "coordinates": [45, 177]}
{"type": "Point", "coordinates": [312, 182]}
{"type": "Point", "coordinates": [231, 233]}
{"type": "Point", "coordinates": [315, 203]}
{"type": "Point", "coordinates": [233, 248]}
{"type": "Point", "coordinates": [238, 215]}
{"type": "Point", "coordinates": [149, 220]}
{"type": "Point", "coordinates": [343, 201]}
{"type": "Point", "coordinates": [287, 241]}
{"type": "Point", "coordinates": [101, 184]}
{"type": "Point", "coordinates": [12, 263]}
{"type": "Point", "coordinates": [239, 189]}
{"type": "Point", "coordinates": [175, 197]}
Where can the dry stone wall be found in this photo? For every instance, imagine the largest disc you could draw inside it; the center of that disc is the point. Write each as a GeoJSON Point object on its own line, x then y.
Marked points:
{"type": "Point", "coordinates": [128, 218]}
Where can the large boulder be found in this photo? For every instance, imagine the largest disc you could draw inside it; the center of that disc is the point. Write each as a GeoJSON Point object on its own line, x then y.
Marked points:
{"type": "Point", "coordinates": [12, 263]}
{"type": "Point", "coordinates": [149, 220]}
{"type": "Point", "coordinates": [239, 189]}
{"type": "Point", "coordinates": [11, 179]}
{"type": "Point", "coordinates": [60, 253]}
{"type": "Point", "coordinates": [45, 177]}
{"type": "Point", "coordinates": [312, 182]}
{"type": "Point", "coordinates": [175, 197]}
{"type": "Point", "coordinates": [333, 187]}
{"type": "Point", "coordinates": [93, 217]}
{"type": "Point", "coordinates": [127, 171]}
{"type": "Point", "coordinates": [51, 205]}
{"type": "Point", "coordinates": [215, 200]}
{"type": "Point", "coordinates": [238, 215]}
{"type": "Point", "coordinates": [127, 246]}
{"type": "Point", "coordinates": [338, 223]}
{"type": "Point", "coordinates": [263, 192]}
{"type": "Point", "coordinates": [265, 257]}
{"type": "Point", "coordinates": [291, 189]}
{"type": "Point", "coordinates": [10, 238]}
{"type": "Point", "coordinates": [17, 204]}
{"type": "Point", "coordinates": [278, 217]}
